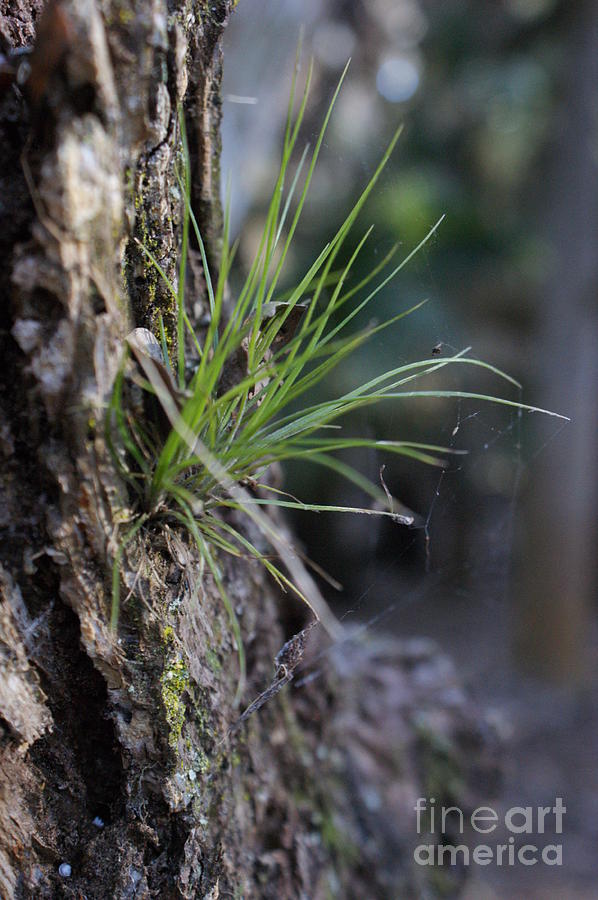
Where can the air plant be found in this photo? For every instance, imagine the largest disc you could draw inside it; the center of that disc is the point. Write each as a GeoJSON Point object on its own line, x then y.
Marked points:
{"type": "Point", "coordinates": [228, 420]}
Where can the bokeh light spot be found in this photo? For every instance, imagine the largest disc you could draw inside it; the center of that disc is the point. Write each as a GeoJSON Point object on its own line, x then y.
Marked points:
{"type": "Point", "coordinates": [398, 79]}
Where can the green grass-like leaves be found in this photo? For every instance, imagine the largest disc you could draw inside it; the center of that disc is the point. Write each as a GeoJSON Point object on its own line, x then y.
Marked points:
{"type": "Point", "coordinates": [226, 432]}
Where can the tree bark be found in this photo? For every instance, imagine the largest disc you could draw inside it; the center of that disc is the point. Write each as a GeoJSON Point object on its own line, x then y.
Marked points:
{"type": "Point", "coordinates": [119, 773]}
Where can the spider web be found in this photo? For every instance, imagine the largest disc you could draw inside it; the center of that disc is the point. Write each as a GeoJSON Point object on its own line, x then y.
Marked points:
{"type": "Point", "coordinates": [439, 593]}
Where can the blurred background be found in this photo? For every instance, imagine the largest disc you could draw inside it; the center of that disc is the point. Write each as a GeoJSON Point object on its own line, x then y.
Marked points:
{"type": "Point", "coordinates": [499, 103]}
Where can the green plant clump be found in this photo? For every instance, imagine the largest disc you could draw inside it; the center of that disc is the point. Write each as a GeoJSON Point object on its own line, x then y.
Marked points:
{"type": "Point", "coordinates": [228, 418]}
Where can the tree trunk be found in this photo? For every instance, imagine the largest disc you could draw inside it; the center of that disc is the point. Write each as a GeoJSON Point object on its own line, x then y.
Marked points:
{"type": "Point", "coordinates": [120, 775]}
{"type": "Point", "coordinates": [557, 571]}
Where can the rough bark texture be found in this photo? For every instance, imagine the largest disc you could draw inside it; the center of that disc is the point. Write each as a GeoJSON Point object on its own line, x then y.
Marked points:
{"type": "Point", "coordinates": [115, 752]}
